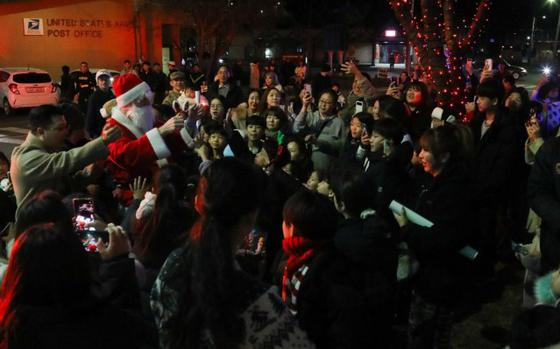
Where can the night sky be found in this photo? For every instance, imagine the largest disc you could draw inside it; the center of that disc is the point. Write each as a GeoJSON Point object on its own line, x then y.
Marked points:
{"type": "Point", "coordinates": [507, 16]}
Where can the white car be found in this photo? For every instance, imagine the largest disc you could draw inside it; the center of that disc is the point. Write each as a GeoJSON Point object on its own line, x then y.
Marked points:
{"type": "Point", "coordinates": [26, 88]}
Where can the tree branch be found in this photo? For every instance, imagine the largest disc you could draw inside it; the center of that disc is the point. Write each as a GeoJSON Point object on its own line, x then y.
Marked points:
{"type": "Point", "coordinates": [481, 14]}
{"type": "Point", "coordinates": [449, 25]}
{"type": "Point", "coordinates": [409, 24]}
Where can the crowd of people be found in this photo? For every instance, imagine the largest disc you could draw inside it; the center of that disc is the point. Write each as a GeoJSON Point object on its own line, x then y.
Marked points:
{"type": "Point", "coordinates": [183, 211]}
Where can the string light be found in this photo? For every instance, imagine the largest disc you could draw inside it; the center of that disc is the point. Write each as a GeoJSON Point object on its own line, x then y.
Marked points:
{"type": "Point", "coordinates": [440, 45]}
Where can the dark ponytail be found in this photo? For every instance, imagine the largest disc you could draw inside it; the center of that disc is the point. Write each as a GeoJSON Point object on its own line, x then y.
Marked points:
{"type": "Point", "coordinates": [168, 224]}
{"type": "Point", "coordinates": [229, 193]}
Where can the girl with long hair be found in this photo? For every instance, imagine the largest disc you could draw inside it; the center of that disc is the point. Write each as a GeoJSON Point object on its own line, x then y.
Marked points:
{"type": "Point", "coordinates": [201, 298]}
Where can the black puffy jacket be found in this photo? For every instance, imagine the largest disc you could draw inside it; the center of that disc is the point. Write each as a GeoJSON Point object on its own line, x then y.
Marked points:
{"type": "Point", "coordinates": [443, 272]}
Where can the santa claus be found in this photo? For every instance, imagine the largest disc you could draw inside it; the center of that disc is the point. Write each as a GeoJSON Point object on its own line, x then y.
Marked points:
{"type": "Point", "coordinates": [142, 146]}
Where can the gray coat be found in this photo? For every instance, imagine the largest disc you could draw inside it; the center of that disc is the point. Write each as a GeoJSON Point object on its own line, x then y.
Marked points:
{"type": "Point", "coordinates": [330, 132]}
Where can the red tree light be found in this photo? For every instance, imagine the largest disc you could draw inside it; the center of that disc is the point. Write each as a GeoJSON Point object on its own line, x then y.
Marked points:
{"type": "Point", "coordinates": [434, 30]}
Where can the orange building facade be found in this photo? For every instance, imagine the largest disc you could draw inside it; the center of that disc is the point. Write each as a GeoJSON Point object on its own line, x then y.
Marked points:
{"type": "Point", "coordinates": [47, 34]}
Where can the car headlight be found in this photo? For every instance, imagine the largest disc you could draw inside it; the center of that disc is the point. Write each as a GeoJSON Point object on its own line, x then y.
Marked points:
{"type": "Point", "coordinates": [523, 70]}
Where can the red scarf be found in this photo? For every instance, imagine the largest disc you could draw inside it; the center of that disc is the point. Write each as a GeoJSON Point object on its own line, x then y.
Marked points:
{"type": "Point", "coordinates": [298, 249]}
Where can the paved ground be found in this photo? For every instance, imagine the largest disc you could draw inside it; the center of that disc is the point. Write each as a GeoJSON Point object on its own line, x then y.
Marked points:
{"type": "Point", "coordinates": [12, 131]}
{"type": "Point", "coordinates": [489, 328]}
{"type": "Point", "coordinates": [530, 81]}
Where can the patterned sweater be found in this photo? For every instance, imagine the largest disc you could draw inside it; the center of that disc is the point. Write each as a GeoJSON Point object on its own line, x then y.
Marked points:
{"type": "Point", "coordinates": [266, 320]}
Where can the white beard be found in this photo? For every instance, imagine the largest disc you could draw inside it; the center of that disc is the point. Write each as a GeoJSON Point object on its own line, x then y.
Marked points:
{"type": "Point", "coordinates": [141, 117]}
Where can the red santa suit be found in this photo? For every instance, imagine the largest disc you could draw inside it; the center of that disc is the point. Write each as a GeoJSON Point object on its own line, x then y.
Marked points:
{"type": "Point", "coordinates": [138, 153]}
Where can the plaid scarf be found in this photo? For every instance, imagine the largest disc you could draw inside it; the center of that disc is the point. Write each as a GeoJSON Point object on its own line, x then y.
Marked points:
{"type": "Point", "coordinates": [299, 250]}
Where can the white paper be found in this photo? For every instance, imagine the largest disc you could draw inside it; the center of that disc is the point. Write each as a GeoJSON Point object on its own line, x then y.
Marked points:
{"type": "Point", "coordinates": [413, 217]}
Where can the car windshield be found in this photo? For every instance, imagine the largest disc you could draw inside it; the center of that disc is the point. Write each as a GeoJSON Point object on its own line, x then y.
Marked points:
{"type": "Point", "coordinates": [32, 78]}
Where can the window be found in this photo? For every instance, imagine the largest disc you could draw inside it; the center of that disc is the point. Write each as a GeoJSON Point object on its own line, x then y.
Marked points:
{"type": "Point", "coordinates": [32, 78]}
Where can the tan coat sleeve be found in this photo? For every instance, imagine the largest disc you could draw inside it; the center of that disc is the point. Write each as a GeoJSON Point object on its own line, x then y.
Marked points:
{"type": "Point", "coordinates": [41, 165]}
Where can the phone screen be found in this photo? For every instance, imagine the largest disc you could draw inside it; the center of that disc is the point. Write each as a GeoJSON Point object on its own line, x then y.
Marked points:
{"type": "Point", "coordinates": [89, 239]}
{"type": "Point", "coordinates": [488, 64]}
{"type": "Point", "coordinates": [364, 129]}
{"type": "Point", "coordinates": [386, 147]}
{"type": "Point", "coordinates": [5, 183]}
{"type": "Point", "coordinates": [83, 213]}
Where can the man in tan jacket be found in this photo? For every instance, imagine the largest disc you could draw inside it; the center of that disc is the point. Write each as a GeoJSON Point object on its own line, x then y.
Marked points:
{"type": "Point", "coordinates": [38, 163]}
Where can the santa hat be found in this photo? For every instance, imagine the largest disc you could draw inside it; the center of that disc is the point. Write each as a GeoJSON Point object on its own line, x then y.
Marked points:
{"type": "Point", "coordinates": [444, 115]}
{"type": "Point", "coordinates": [129, 87]}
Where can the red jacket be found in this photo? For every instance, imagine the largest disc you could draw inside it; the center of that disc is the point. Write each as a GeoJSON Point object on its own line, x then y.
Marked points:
{"type": "Point", "coordinates": [137, 153]}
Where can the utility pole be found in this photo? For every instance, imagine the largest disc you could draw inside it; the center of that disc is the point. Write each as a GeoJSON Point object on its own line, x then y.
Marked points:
{"type": "Point", "coordinates": [533, 35]}
{"type": "Point", "coordinates": [408, 53]}
{"type": "Point", "coordinates": [556, 36]}
{"type": "Point", "coordinates": [551, 2]}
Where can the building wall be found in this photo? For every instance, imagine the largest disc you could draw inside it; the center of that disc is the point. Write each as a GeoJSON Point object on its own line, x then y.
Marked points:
{"type": "Point", "coordinates": [363, 52]}
{"type": "Point", "coordinates": [100, 32]}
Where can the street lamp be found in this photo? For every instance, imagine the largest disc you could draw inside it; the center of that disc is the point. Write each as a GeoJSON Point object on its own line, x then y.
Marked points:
{"type": "Point", "coordinates": [551, 2]}
{"type": "Point", "coordinates": [408, 54]}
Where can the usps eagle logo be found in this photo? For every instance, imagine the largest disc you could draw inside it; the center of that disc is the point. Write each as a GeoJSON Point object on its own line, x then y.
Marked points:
{"type": "Point", "coordinates": [33, 26]}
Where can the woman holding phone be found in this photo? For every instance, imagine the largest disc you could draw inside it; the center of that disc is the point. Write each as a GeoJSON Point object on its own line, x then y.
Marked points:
{"type": "Point", "coordinates": [46, 299]}
{"type": "Point", "coordinates": [325, 131]}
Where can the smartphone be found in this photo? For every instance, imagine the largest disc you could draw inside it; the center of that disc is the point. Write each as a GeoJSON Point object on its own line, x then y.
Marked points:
{"type": "Point", "coordinates": [488, 64]}
{"type": "Point", "coordinates": [386, 147]}
{"type": "Point", "coordinates": [359, 107]}
{"type": "Point", "coordinates": [4, 184]}
{"type": "Point", "coordinates": [307, 87]}
{"type": "Point", "coordinates": [364, 129]}
{"type": "Point", "coordinates": [197, 97]}
{"type": "Point", "coordinates": [83, 214]}
{"type": "Point", "coordinates": [89, 239]}
{"type": "Point", "coordinates": [519, 248]}
{"type": "Point", "coordinates": [469, 65]}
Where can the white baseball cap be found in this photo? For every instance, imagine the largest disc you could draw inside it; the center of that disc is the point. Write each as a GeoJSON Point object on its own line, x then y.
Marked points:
{"type": "Point", "coordinates": [101, 73]}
